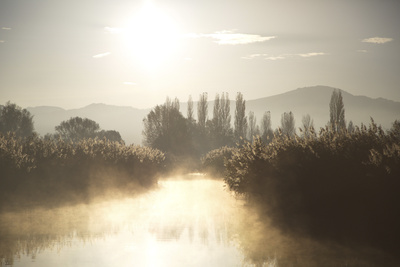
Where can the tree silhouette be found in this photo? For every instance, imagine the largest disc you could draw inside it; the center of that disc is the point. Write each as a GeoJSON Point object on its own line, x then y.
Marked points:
{"type": "Point", "coordinates": [288, 124]}
{"type": "Point", "coordinates": [202, 111]}
{"type": "Point", "coordinates": [336, 107]}
{"type": "Point", "coordinates": [110, 135]}
{"type": "Point", "coordinates": [240, 118]}
{"type": "Point", "coordinates": [350, 127]}
{"type": "Point", "coordinates": [77, 128]}
{"type": "Point", "coordinates": [219, 127]}
{"type": "Point", "coordinates": [225, 114]}
{"type": "Point", "coordinates": [253, 129]}
{"type": "Point", "coordinates": [15, 119]}
{"type": "Point", "coordinates": [266, 130]}
{"type": "Point", "coordinates": [190, 109]}
{"type": "Point", "coordinates": [166, 129]}
{"type": "Point", "coordinates": [308, 124]}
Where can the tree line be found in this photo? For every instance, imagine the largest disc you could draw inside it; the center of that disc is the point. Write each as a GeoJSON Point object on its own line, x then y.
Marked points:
{"type": "Point", "coordinates": [167, 129]}
{"type": "Point", "coordinates": [19, 121]}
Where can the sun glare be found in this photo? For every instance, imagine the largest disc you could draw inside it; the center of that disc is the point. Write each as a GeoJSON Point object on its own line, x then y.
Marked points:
{"type": "Point", "coordinates": [152, 36]}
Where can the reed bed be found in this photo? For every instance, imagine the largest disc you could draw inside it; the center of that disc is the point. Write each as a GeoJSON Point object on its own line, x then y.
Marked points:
{"type": "Point", "coordinates": [34, 170]}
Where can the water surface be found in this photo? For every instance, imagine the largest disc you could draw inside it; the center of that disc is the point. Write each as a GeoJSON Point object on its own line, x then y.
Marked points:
{"type": "Point", "coordinates": [186, 221]}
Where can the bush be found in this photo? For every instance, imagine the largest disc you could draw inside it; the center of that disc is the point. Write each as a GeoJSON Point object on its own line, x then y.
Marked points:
{"type": "Point", "coordinates": [36, 170]}
{"type": "Point", "coordinates": [336, 186]}
{"type": "Point", "coordinates": [214, 161]}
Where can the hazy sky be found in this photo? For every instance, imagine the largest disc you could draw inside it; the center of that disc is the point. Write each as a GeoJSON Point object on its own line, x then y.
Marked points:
{"type": "Point", "coordinates": [135, 53]}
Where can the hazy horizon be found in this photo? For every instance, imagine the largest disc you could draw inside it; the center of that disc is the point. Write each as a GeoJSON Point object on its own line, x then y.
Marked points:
{"type": "Point", "coordinates": [136, 53]}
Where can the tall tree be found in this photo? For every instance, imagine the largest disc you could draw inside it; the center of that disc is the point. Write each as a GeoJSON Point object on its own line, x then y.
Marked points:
{"type": "Point", "coordinates": [336, 112]}
{"type": "Point", "coordinates": [202, 111]}
{"type": "Point", "coordinates": [77, 128]}
{"type": "Point", "coordinates": [190, 109]}
{"type": "Point", "coordinates": [266, 130]}
{"type": "Point", "coordinates": [15, 119]}
{"type": "Point", "coordinates": [217, 115]}
{"type": "Point", "coordinates": [308, 124]}
{"type": "Point", "coordinates": [219, 128]}
{"type": "Point", "coordinates": [288, 124]}
{"type": "Point", "coordinates": [253, 129]}
{"type": "Point", "coordinates": [350, 127]}
{"type": "Point", "coordinates": [240, 118]}
{"type": "Point", "coordinates": [166, 129]}
{"type": "Point", "coordinates": [225, 114]}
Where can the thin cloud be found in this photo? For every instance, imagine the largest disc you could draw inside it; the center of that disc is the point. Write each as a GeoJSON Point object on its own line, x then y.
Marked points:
{"type": "Point", "coordinates": [377, 40]}
{"type": "Point", "coordinates": [275, 57]}
{"type": "Point", "coordinates": [101, 55]}
{"type": "Point", "coordinates": [2, 41]}
{"type": "Point", "coordinates": [232, 38]}
{"type": "Point", "coordinates": [6, 28]}
{"type": "Point", "coordinates": [129, 83]}
{"type": "Point", "coordinates": [283, 56]}
{"type": "Point", "coordinates": [312, 54]}
{"type": "Point", "coordinates": [113, 30]}
{"type": "Point", "coordinates": [253, 56]}
{"type": "Point", "coordinates": [362, 51]}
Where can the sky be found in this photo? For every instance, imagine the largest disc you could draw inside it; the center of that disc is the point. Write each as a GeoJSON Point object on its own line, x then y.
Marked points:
{"type": "Point", "coordinates": [136, 53]}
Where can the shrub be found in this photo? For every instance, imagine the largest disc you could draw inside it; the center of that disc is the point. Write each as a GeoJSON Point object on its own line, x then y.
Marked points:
{"type": "Point", "coordinates": [214, 161]}
{"type": "Point", "coordinates": [338, 186]}
{"type": "Point", "coordinates": [37, 170]}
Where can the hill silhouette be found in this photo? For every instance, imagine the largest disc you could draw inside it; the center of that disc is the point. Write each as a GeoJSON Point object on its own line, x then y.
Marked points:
{"type": "Point", "coordinates": [308, 100]}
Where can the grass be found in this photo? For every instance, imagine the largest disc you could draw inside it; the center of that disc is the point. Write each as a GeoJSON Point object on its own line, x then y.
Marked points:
{"type": "Point", "coordinates": [340, 187]}
{"type": "Point", "coordinates": [44, 172]}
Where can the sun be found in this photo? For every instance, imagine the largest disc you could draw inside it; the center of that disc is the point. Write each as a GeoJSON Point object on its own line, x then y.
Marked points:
{"type": "Point", "coordinates": [152, 36]}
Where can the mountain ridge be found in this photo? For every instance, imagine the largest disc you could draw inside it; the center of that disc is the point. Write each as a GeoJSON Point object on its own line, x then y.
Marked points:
{"type": "Point", "coordinates": [312, 100]}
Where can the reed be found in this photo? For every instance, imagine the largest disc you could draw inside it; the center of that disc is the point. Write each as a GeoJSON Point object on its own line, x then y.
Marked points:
{"type": "Point", "coordinates": [330, 185]}
{"type": "Point", "coordinates": [37, 170]}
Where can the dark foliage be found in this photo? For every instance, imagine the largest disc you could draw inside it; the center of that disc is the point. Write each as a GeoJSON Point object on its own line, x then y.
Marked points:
{"type": "Point", "coordinates": [16, 120]}
{"type": "Point", "coordinates": [37, 171]}
{"type": "Point", "coordinates": [214, 161]}
{"type": "Point", "coordinates": [334, 186]}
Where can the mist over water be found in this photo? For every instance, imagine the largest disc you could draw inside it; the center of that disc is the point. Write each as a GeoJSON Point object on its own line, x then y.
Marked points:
{"type": "Point", "coordinates": [189, 220]}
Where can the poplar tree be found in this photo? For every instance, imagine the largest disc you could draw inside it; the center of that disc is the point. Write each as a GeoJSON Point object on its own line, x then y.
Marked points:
{"type": "Point", "coordinates": [288, 124]}
{"type": "Point", "coordinates": [336, 112]}
{"type": "Point", "coordinates": [190, 109]}
{"type": "Point", "coordinates": [266, 130]}
{"type": "Point", "coordinates": [254, 130]}
{"type": "Point", "coordinates": [202, 111]}
{"type": "Point", "coordinates": [240, 118]}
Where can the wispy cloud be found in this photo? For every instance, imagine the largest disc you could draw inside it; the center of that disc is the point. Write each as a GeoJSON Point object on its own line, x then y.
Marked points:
{"type": "Point", "coordinates": [6, 28]}
{"type": "Point", "coordinates": [232, 38]}
{"type": "Point", "coordinates": [129, 83]}
{"type": "Point", "coordinates": [2, 41]}
{"type": "Point", "coordinates": [252, 56]}
{"type": "Point", "coordinates": [101, 55]}
{"type": "Point", "coordinates": [362, 51]}
{"type": "Point", "coordinates": [377, 40]}
{"type": "Point", "coordinates": [313, 54]}
{"type": "Point", "coordinates": [113, 30]}
{"type": "Point", "coordinates": [283, 56]}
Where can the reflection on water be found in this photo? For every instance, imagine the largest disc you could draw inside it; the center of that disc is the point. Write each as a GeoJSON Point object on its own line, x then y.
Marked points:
{"type": "Point", "coordinates": [187, 221]}
{"type": "Point", "coordinates": [182, 223]}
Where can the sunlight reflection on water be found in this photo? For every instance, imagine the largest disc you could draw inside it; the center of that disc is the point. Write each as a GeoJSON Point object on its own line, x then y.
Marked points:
{"type": "Point", "coordinates": [187, 221]}
{"type": "Point", "coordinates": [184, 222]}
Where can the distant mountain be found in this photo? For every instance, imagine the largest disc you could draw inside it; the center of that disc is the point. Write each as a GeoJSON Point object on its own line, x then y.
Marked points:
{"type": "Point", "coordinates": [309, 100]}
{"type": "Point", "coordinates": [315, 102]}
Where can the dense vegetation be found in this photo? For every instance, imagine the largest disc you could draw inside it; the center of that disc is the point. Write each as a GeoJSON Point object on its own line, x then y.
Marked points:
{"type": "Point", "coordinates": [332, 185]}
{"type": "Point", "coordinates": [38, 171]}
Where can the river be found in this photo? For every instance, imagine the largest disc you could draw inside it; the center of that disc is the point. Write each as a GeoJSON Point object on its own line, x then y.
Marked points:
{"type": "Point", "coordinates": [189, 220]}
